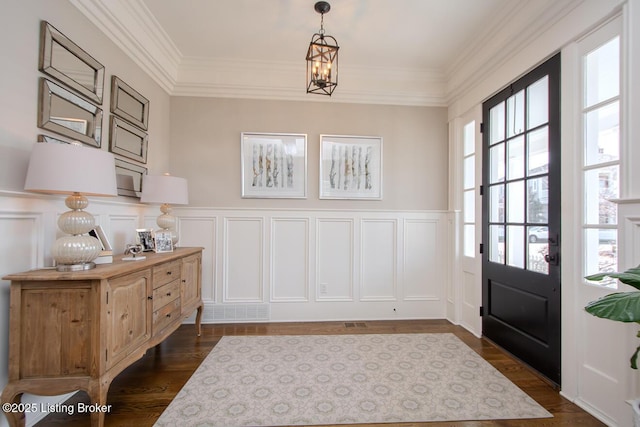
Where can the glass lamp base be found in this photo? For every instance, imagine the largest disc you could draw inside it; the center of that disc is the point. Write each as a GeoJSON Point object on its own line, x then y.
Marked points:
{"type": "Point", "coordinates": [76, 267]}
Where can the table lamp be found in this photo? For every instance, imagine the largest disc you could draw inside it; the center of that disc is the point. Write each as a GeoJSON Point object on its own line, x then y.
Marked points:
{"type": "Point", "coordinates": [78, 171]}
{"type": "Point", "coordinates": [167, 190]}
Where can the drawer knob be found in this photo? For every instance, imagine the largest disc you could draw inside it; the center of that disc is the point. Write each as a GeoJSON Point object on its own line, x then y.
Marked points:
{"type": "Point", "coordinates": [168, 273]}
{"type": "Point", "coordinates": [150, 297]}
{"type": "Point", "coordinates": [169, 315]}
{"type": "Point", "coordinates": [168, 294]}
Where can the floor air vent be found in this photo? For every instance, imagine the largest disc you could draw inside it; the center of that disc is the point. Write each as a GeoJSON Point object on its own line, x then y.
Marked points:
{"type": "Point", "coordinates": [355, 325]}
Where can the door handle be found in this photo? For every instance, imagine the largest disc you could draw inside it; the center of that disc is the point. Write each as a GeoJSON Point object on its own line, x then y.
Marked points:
{"type": "Point", "coordinates": [552, 259]}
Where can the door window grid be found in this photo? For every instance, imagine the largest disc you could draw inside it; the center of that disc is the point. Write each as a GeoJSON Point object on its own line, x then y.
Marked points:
{"type": "Point", "coordinates": [469, 189]}
{"type": "Point", "coordinates": [601, 159]}
{"type": "Point", "coordinates": [518, 181]}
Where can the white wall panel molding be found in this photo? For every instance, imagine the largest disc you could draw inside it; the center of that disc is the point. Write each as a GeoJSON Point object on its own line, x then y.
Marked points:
{"type": "Point", "coordinates": [243, 260]}
{"type": "Point", "coordinates": [23, 240]}
{"type": "Point", "coordinates": [202, 231]}
{"type": "Point", "coordinates": [310, 265]}
{"type": "Point", "coordinates": [335, 259]}
{"type": "Point", "coordinates": [378, 259]}
{"type": "Point", "coordinates": [289, 260]}
{"type": "Point", "coordinates": [425, 248]}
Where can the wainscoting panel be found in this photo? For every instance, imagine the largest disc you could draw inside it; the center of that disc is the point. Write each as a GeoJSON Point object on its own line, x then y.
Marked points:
{"type": "Point", "coordinates": [121, 230]}
{"type": "Point", "coordinates": [379, 255]}
{"type": "Point", "coordinates": [289, 279]}
{"type": "Point", "coordinates": [243, 253]}
{"type": "Point", "coordinates": [202, 232]}
{"type": "Point", "coordinates": [424, 260]}
{"type": "Point", "coordinates": [335, 244]}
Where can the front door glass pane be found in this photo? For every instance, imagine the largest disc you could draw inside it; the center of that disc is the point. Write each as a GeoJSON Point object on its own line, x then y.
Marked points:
{"type": "Point", "coordinates": [496, 203]}
{"type": "Point", "coordinates": [515, 246]}
{"type": "Point", "coordinates": [538, 249]}
{"type": "Point", "coordinates": [496, 158]}
{"type": "Point", "coordinates": [515, 114]}
{"type": "Point", "coordinates": [496, 243]}
{"type": "Point", "coordinates": [538, 200]}
{"type": "Point", "coordinates": [515, 158]}
{"type": "Point", "coordinates": [598, 207]}
{"type": "Point", "coordinates": [538, 151]}
{"type": "Point", "coordinates": [538, 103]}
{"type": "Point", "coordinates": [497, 124]}
{"type": "Point", "coordinates": [515, 201]}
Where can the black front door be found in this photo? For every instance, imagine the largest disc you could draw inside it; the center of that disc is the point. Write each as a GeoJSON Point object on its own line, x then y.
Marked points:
{"type": "Point", "coordinates": [521, 219]}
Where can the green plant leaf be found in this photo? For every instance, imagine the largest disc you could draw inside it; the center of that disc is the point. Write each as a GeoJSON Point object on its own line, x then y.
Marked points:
{"type": "Point", "coordinates": [630, 277]}
{"type": "Point", "coordinates": [620, 306]}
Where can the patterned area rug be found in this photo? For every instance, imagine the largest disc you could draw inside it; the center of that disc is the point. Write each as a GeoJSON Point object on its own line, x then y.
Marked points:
{"type": "Point", "coordinates": [345, 379]}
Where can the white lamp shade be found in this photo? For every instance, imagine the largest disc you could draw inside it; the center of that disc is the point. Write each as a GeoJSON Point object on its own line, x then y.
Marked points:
{"type": "Point", "coordinates": [168, 189]}
{"type": "Point", "coordinates": [69, 168]}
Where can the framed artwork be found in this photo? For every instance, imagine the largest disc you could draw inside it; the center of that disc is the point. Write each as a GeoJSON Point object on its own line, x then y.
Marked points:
{"type": "Point", "coordinates": [274, 165]}
{"type": "Point", "coordinates": [144, 237]}
{"type": "Point", "coordinates": [163, 241]}
{"type": "Point", "coordinates": [98, 233]}
{"type": "Point", "coordinates": [350, 167]}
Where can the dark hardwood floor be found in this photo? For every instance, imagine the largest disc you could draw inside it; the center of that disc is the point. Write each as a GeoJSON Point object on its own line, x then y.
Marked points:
{"type": "Point", "coordinates": [141, 392]}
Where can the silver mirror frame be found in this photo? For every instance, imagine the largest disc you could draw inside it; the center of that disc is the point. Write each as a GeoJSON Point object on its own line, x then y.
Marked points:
{"type": "Point", "coordinates": [50, 35]}
{"type": "Point", "coordinates": [116, 141]}
{"type": "Point", "coordinates": [139, 114]}
{"type": "Point", "coordinates": [54, 121]}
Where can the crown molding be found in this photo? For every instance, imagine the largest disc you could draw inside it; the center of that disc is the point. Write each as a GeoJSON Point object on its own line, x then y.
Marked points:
{"type": "Point", "coordinates": [132, 27]}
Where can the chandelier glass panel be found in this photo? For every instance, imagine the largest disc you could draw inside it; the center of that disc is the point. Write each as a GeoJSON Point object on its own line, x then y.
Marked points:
{"type": "Point", "coordinates": [322, 58]}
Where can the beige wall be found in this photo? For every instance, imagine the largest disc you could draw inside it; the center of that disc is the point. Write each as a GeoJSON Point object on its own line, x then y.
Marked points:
{"type": "Point", "coordinates": [205, 149]}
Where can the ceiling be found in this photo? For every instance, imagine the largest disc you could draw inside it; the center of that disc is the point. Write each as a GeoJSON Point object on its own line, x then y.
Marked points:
{"type": "Point", "coordinates": [400, 51]}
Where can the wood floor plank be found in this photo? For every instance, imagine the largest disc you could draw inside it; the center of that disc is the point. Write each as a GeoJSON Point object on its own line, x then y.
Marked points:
{"type": "Point", "coordinates": [142, 392]}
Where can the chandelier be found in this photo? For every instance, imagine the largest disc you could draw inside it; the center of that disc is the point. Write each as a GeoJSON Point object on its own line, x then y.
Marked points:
{"type": "Point", "coordinates": [322, 58]}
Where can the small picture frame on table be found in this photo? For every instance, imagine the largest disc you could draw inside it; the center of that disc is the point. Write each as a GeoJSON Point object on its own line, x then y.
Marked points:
{"type": "Point", "coordinates": [144, 236]}
{"type": "Point", "coordinates": [163, 241]}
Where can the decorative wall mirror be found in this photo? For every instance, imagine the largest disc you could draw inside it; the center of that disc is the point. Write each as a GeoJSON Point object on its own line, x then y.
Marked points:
{"type": "Point", "coordinates": [129, 178]}
{"type": "Point", "coordinates": [127, 140]}
{"type": "Point", "coordinates": [65, 61]}
{"type": "Point", "coordinates": [127, 103]}
{"type": "Point", "coordinates": [62, 112]}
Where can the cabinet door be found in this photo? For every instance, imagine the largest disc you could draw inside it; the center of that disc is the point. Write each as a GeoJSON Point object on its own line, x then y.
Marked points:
{"type": "Point", "coordinates": [128, 315]}
{"type": "Point", "coordinates": [190, 292]}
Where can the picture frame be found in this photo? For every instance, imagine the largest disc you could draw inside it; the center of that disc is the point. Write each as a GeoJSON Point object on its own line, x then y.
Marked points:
{"type": "Point", "coordinates": [163, 241]}
{"type": "Point", "coordinates": [129, 104]}
{"type": "Point", "coordinates": [68, 63]}
{"type": "Point", "coordinates": [350, 167]}
{"type": "Point", "coordinates": [144, 237]}
{"type": "Point", "coordinates": [127, 140]}
{"type": "Point", "coordinates": [273, 165]}
{"type": "Point", "coordinates": [99, 234]}
{"type": "Point", "coordinates": [129, 178]}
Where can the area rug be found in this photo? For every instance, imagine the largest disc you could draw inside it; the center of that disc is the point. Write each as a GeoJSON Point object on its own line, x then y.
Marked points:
{"type": "Point", "coordinates": [345, 379]}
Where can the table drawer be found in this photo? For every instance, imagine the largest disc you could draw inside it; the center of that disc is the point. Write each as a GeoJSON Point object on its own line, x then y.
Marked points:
{"type": "Point", "coordinates": [166, 273]}
{"type": "Point", "coordinates": [166, 315]}
{"type": "Point", "coordinates": [165, 294]}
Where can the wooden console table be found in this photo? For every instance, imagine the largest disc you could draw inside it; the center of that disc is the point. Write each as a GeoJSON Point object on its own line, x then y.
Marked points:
{"type": "Point", "coordinates": [78, 330]}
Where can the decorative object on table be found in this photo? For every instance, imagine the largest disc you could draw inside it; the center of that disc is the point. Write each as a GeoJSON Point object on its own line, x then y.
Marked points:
{"type": "Point", "coordinates": [78, 171]}
{"type": "Point", "coordinates": [274, 165]}
{"type": "Point", "coordinates": [67, 114]}
{"type": "Point", "coordinates": [322, 58]}
{"type": "Point", "coordinates": [128, 104]}
{"type": "Point", "coordinates": [350, 167]}
{"type": "Point", "coordinates": [163, 241]}
{"type": "Point", "coordinates": [144, 237]}
{"type": "Point", "coordinates": [68, 63]}
{"type": "Point", "coordinates": [167, 190]}
{"type": "Point", "coordinates": [132, 252]}
{"type": "Point", "coordinates": [106, 255]}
